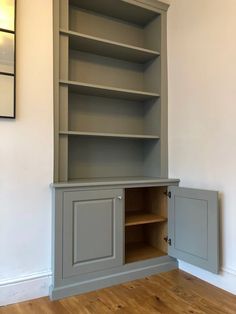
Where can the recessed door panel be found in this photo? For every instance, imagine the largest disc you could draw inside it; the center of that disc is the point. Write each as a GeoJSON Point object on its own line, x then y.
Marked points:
{"type": "Point", "coordinates": [92, 231]}
{"type": "Point", "coordinates": [194, 227]}
{"type": "Point", "coordinates": [91, 217]}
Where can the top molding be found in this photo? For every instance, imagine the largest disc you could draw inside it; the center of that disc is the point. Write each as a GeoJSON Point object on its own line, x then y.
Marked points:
{"type": "Point", "coordinates": [150, 4]}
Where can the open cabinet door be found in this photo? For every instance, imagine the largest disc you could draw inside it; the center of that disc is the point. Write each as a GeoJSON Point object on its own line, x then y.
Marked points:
{"type": "Point", "coordinates": [194, 227]}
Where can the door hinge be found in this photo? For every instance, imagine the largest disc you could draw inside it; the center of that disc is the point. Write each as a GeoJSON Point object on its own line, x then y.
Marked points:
{"type": "Point", "coordinates": [168, 194]}
{"type": "Point", "coordinates": [168, 240]}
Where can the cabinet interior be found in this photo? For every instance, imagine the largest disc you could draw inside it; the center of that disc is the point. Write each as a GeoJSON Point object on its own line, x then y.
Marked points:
{"type": "Point", "coordinates": [145, 223]}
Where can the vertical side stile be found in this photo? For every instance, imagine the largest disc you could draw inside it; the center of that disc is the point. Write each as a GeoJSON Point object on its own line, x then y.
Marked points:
{"type": "Point", "coordinates": [56, 87]}
{"type": "Point", "coordinates": [63, 90]}
{"type": "Point", "coordinates": [164, 97]}
{"type": "Point", "coordinates": [64, 14]}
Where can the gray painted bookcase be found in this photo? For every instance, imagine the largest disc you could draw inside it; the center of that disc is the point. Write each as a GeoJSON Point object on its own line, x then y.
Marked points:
{"type": "Point", "coordinates": [116, 214]}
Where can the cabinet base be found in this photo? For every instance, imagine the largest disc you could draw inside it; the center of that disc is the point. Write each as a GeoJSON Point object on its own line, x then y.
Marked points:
{"type": "Point", "coordinates": [132, 272]}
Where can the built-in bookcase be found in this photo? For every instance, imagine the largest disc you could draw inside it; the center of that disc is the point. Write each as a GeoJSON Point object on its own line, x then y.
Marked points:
{"type": "Point", "coordinates": [111, 84]}
{"type": "Point", "coordinates": [116, 214]}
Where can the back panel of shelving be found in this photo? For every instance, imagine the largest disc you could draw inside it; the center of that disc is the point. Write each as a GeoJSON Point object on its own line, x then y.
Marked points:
{"type": "Point", "coordinates": [94, 157]}
{"type": "Point", "coordinates": [93, 69]}
{"type": "Point", "coordinates": [90, 23]}
{"type": "Point", "coordinates": [121, 10]}
{"type": "Point", "coordinates": [100, 114]}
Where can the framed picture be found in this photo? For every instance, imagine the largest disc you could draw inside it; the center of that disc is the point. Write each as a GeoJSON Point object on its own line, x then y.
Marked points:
{"type": "Point", "coordinates": [7, 58]}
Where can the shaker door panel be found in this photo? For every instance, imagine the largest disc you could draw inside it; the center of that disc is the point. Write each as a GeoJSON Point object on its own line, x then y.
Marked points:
{"type": "Point", "coordinates": [194, 227]}
{"type": "Point", "coordinates": [92, 231]}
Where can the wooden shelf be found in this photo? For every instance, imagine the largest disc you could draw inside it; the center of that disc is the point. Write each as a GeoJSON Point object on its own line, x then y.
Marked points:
{"type": "Point", "coordinates": [116, 135]}
{"type": "Point", "coordinates": [135, 252]}
{"type": "Point", "coordinates": [135, 218]}
{"type": "Point", "coordinates": [103, 47]}
{"type": "Point", "coordinates": [107, 91]}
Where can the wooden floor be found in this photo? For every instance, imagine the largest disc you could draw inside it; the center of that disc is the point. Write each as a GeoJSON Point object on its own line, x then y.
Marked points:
{"type": "Point", "coordinates": [173, 292]}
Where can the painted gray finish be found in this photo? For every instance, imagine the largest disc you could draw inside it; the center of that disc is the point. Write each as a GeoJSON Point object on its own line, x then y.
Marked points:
{"type": "Point", "coordinates": [92, 231]}
{"type": "Point", "coordinates": [115, 31]}
{"type": "Point", "coordinates": [90, 68]}
{"type": "Point", "coordinates": [103, 47]}
{"type": "Point", "coordinates": [137, 27]}
{"type": "Point", "coordinates": [108, 272]}
{"type": "Point", "coordinates": [87, 280]}
{"type": "Point", "coordinates": [56, 98]}
{"type": "Point", "coordinates": [97, 157]}
{"type": "Point", "coordinates": [100, 114]}
{"type": "Point", "coordinates": [125, 10]}
{"type": "Point", "coordinates": [114, 277]}
{"type": "Point", "coordinates": [194, 227]}
{"type": "Point", "coordinates": [113, 135]}
{"type": "Point", "coordinates": [121, 182]}
{"type": "Point", "coordinates": [164, 100]}
{"type": "Point", "coordinates": [108, 91]}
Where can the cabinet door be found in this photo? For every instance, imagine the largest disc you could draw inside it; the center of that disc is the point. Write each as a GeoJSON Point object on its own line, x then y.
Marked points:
{"type": "Point", "coordinates": [92, 231]}
{"type": "Point", "coordinates": [194, 227]}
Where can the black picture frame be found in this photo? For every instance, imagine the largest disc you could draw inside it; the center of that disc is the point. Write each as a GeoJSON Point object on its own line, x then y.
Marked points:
{"type": "Point", "coordinates": [12, 74]}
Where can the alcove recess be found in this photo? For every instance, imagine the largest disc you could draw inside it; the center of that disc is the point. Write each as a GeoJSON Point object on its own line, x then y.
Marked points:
{"type": "Point", "coordinates": [110, 91]}
{"type": "Point", "coordinates": [145, 223]}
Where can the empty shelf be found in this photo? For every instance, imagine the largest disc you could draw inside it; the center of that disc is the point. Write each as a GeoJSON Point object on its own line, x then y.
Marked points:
{"type": "Point", "coordinates": [140, 218]}
{"type": "Point", "coordinates": [131, 136]}
{"type": "Point", "coordinates": [135, 252]}
{"type": "Point", "coordinates": [107, 91]}
{"type": "Point", "coordinates": [123, 10]}
{"type": "Point", "coordinates": [109, 48]}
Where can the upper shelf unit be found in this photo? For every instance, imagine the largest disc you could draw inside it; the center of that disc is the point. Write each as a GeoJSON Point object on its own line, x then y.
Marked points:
{"type": "Point", "coordinates": [107, 91]}
{"type": "Point", "coordinates": [110, 84]}
{"type": "Point", "coordinates": [109, 48]}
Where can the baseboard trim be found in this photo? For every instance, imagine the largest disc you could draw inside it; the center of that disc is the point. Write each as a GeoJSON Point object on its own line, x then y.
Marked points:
{"type": "Point", "coordinates": [110, 280]}
{"type": "Point", "coordinates": [229, 271]}
{"type": "Point", "coordinates": [25, 288]}
{"type": "Point", "coordinates": [225, 280]}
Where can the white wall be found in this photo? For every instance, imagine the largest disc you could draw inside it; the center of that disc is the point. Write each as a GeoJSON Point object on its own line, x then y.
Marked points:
{"type": "Point", "coordinates": [202, 108]}
{"type": "Point", "coordinates": [26, 152]}
{"type": "Point", "coordinates": [202, 135]}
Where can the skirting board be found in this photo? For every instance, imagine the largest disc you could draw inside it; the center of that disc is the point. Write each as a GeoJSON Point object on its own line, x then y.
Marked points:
{"type": "Point", "coordinates": [226, 279]}
{"type": "Point", "coordinates": [25, 288]}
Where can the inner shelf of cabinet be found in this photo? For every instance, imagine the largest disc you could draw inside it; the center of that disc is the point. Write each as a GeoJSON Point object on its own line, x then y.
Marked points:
{"type": "Point", "coordinates": [109, 48]}
{"type": "Point", "coordinates": [141, 251]}
{"type": "Point", "coordinates": [108, 91]}
{"type": "Point", "coordinates": [135, 218]}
